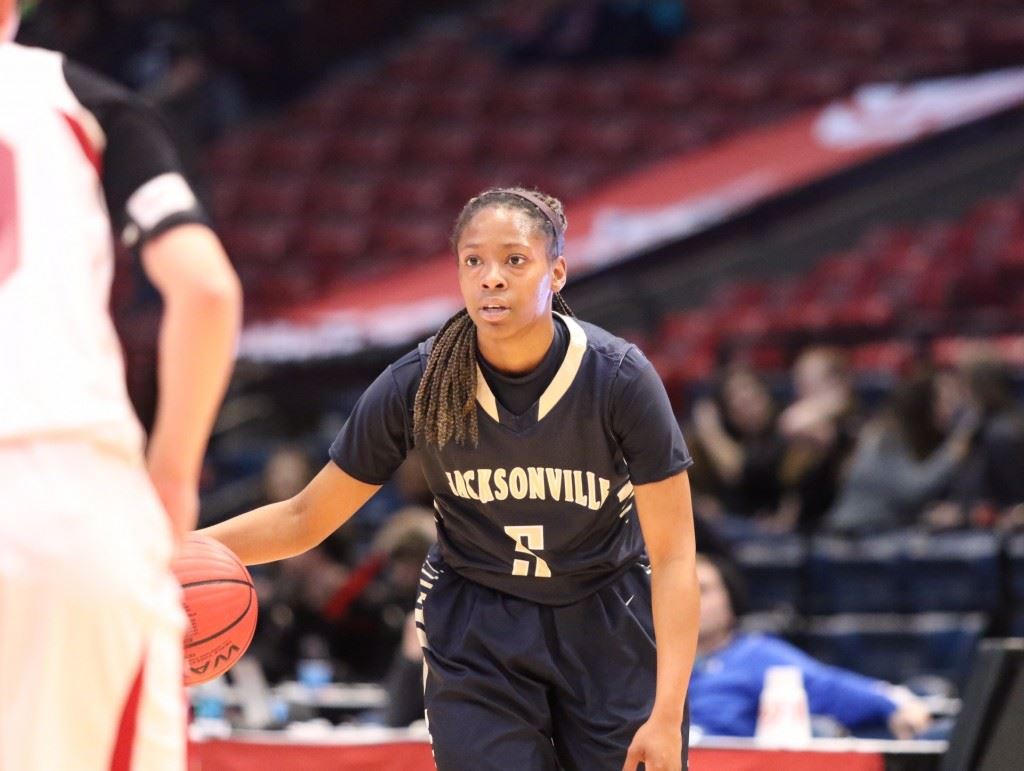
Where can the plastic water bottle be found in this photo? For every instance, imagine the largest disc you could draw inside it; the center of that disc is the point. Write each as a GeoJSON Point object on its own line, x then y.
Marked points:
{"type": "Point", "coordinates": [783, 719]}
{"type": "Point", "coordinates": [314, 670]}
{"type": "Point", "coordinates": [209, 710]}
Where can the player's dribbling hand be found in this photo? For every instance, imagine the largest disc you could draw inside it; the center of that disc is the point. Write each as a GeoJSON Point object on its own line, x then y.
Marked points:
{"type": "Point", "coordinates": [658, 744]}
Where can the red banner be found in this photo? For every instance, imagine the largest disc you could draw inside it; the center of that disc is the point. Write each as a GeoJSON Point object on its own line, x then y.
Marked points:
{"type": "Point", "coordinates": [663, 203]}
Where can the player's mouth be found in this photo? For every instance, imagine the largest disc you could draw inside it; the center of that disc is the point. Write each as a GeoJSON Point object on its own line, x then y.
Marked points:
{"type": "Point", "coordinates": [494, 311]}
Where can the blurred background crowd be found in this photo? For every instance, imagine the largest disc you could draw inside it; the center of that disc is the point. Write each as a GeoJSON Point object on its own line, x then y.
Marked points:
{"type": "Point", "coordinates": [846, 361]}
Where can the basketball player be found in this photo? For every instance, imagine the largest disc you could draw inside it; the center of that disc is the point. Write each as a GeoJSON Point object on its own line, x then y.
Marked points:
{"type": "Point", "coordinates": [553, 456]}
{"type": "Point", "coordinates": [90, 617]}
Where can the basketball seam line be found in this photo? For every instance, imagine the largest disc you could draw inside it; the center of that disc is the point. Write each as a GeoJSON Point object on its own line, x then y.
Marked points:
{"type": "Point", "coordinates": [226, 629]}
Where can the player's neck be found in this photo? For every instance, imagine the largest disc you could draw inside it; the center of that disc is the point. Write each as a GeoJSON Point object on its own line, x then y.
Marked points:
{"type": "Point", "coordinates": [520, 353]}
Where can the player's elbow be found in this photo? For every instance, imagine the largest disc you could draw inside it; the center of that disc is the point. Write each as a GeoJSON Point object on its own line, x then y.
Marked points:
{"type": "Point", "coordinates": [188, 263]}
{"type": "Point", "coordinates": [219, 290]}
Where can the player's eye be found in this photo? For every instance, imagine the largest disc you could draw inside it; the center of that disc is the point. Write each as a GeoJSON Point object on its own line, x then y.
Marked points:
{"type": "Point", "coordinates": [516, 259]}
{"type": "Point", "coordinates": [472, 261]}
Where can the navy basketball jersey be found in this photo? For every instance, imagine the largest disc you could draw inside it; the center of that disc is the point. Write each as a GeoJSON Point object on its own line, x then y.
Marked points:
{"type": "Point", "coordinates": [542, 507]}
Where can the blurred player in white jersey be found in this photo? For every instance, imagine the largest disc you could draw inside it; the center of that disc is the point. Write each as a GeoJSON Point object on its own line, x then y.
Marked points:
{"type": "Point", "coordinates": [90, 617]}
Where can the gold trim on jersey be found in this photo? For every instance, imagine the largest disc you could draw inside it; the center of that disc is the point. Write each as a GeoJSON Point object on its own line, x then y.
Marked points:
{"type": "Point", "coordinates": [559, 384]}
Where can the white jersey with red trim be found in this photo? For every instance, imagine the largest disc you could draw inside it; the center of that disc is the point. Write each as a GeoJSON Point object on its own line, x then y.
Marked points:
{"type": "Point", "coordinates": [61, 368]}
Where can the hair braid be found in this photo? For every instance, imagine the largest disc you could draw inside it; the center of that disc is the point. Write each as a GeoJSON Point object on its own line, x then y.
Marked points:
{"type": "Point", "coordinates": [445, 405]}
{"type": "Point", "coordinates": [559, 304]}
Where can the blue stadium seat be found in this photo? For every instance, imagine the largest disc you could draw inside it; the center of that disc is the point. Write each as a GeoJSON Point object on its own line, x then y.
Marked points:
{"type": "Point", "coordinates": [855, 576]}
{"type": "Point", "coordinates": [1015, 561]}
{"type": "Point", "coordinates": [774, 569]}
{"type": "Point", "coordinates": [897, 647]}
{"type": "Point", "coordinates": [952, 572]}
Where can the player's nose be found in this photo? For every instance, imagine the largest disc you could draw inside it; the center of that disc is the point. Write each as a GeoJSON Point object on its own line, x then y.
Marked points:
{"type": "Point", "coordinates": [492, 277]}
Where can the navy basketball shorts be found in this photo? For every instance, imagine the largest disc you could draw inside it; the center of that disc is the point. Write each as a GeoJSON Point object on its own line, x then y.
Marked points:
{"type": "Point", "coordinates": [512, 684]}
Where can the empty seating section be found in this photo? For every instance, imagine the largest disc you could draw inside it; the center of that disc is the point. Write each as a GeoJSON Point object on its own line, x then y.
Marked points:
{"type": "Point", "coordinates": [774, 569]}
{"type": "Point", "coordinates": [854, 576]}
{"type": "Point", "coordinates": [1015, 565]}
{"type": "Point", "coordinates": [897, 647]}
{"type": "Point", "coordinates": [893, 606]}
{"type": "Point", "coordinates": [905, 572]}
{"type": "Point", "coordinates": [952, 571]}
{"type": "Point", "coordinates": [405, 138]}
{"type": "Point", "coordinates": [950, 282]}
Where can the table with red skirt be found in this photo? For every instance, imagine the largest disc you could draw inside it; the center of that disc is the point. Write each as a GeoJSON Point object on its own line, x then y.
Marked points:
{"type": "Point", "coordinates": [400, 750]}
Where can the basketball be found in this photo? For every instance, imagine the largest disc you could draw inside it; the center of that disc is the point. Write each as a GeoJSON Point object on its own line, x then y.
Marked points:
{"type": "Point", "coordinates": [220, 601]}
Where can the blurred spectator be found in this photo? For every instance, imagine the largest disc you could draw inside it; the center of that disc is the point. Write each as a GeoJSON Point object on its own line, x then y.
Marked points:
{"type": "Point", "coordinates": [989, 490]}
{"type": "Point", "coordinates": [902, 461]}
{"type": "Point", "coordinates": [290, 592]}
{"type": "Point", "coordinates": [592, 30]}
{"type": "Point", "coordinates": [728, 674]}
{"type": "Point", "coordinates": [737, 449]}
{"type": "Point", "coordinates": [366, 614]}
{"type": "Point", "coordinates": [161, 49]}
{"type": "Point", "coordinates": [404, 682]}
{"type": "Point", "coordinates": [287, 471]}
{"type": "Point", "coordinates": [819, 427]}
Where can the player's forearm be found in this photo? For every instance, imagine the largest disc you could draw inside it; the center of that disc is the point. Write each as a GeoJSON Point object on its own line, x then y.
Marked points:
{"type": "Point", "coordinates": [266, 534]}
{"type": "Point", "coordinates": [198, 335]}
{"type": "Point", "coordinates": [675, 600]}
{"type": "Point", "coordinates": [292, 526]}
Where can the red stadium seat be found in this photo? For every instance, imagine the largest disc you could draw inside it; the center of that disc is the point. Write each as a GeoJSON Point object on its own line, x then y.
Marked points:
{"type": "Point", "coordinates": [746, 86]}
{"type": "Point", "coordinates": [535, 93]}
{"type": "Point", "coordinates": [452, 102]}
{"type": "Point", "coordinates": [531, 141]}
{"type": "Point", "coordinates": [293, 154]}
{"type": "Point", "coordinates": [443, 146]}
{"type": "Point", "coordinates": [329, 198]}
{"type": "Point", "coordinates": [262, 243]}
{"type": "Point", "coordinates": [333, 243]}
{"type": "Point", "coordinates": [260, 198]}
{"type": "Point", "coordinates": [415, 195]}
{"type": "Point", "coordinates": [612, 139]}
{"type": "Point", "coordinates": [670, 93]}
{"type": "Point", "coordinates": [394, 238]}
{"type": "Point", "coordinates": [382, 104]}
{"type": "Point", "coordinates": [890, 356]}
{"type": "Point", "coordinates": [366, 149]}
{"type": "Point", "coordinates": [602, 92]}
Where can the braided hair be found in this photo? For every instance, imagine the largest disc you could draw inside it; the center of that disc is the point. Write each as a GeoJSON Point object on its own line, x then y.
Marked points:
{"type": "Point", "coordinates": [445, 406]}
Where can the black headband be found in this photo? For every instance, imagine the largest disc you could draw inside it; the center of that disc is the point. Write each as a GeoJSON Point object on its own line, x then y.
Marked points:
{"type": "Point", "coordinates": [548, 213]}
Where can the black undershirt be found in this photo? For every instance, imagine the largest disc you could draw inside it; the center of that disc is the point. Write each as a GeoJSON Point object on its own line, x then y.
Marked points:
{"type": "Point", "coordinates": [517, 393]}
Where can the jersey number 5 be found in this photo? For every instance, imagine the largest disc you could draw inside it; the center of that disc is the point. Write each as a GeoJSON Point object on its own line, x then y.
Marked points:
{"type": "Point", "coordinates": [528, 538]}
{"type": "Point", "coordinates": [8, 215]}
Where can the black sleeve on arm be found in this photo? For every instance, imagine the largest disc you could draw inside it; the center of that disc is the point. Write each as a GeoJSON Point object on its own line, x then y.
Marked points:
{"type": "Point", "coordinates": [143, 181]}
{"type": "Point", "coordinates": [375, 439]}
{"type": "Point", "coordinates": [644, 424]}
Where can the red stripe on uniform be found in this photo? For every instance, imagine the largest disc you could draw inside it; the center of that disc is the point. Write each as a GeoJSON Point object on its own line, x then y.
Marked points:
{"type": "Point", "coordinates": [91, 154]}
{"type": "Point", "coordinates": [121, 760]}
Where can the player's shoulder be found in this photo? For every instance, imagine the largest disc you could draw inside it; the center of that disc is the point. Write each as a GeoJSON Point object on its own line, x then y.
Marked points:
{"type": "Point", "coordinates": [30, 56]}
{"type": "Point", "coordinates": [407, 370]}
{"type": "Point", "coordinates": [602, 342]}
{"type": "Point", "coordinates": [615, 354]}
{"type": "Point", "coordinates": [30, 71]}
{"type": "Point", "coordinates": [39, 74]}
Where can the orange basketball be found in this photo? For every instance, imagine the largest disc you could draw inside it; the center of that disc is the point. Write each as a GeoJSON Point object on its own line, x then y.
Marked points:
{"type": "Point", "coordinates": [220, 601]}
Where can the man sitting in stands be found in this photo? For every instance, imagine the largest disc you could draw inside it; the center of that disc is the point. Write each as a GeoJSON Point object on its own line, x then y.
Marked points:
{"type": "Point", "coordinates": [728, 674]}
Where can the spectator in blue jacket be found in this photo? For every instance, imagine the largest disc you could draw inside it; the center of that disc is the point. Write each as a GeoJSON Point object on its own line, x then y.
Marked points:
{"type": "Point", "coordinates": [728, 675]}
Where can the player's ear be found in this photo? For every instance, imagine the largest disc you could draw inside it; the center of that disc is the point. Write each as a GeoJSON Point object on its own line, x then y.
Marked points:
{"type": "Point", "coordinates": [558, 274]}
